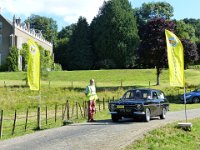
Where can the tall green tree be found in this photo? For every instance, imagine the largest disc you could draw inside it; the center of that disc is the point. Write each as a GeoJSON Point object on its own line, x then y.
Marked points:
{"type": "Point", "coordinates": [66, 32]}
{"type": "Point", "coordinates": [196, 24]}
{"type": "Point", "coordinates": [47, 25]}
{"type": "Point", "coordinates": [61, 53]}
{"type": "Point", "coordinates": [155, 10]}
{"type": "Point", "coordinates": [152, 10]}
{"type": "Point", "coordinates": [114, 35]}
{"type": "Point", "coordinates": [80, 52]}
{"type": "Point", "coordinates": [152, 49]}
{"type": "Point", "coordinates": [190, 52]}
{"type": "Point", "coordinates": [185, 31]}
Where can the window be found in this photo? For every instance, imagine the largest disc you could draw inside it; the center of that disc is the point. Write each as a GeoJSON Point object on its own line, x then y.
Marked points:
{"type": "Point", "coordinates": [160, 95]}
{"type": "Point", "coordinates": [155, 96]}
{"type": "Point", "coordinates": [128, 95]}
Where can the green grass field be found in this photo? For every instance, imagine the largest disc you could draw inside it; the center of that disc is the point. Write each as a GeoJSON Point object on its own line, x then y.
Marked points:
{"type": "Point", "coordinates": [170, 137]}
{"type": "Point", "coordinates": [57, 87]}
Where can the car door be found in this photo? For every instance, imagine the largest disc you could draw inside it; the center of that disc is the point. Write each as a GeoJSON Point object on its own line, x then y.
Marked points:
{"type": "Point", "coordinates": [156, 103]}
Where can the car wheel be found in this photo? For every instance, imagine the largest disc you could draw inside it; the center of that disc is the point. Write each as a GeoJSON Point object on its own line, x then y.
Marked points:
{"type": "Point", "coordinates": [163, 114]}
{"type": "Point", "coordinates": [147, 115]}
{"type": "Point", "coordinates": [115, 118]}
{"type": "Point", "coordinates": [195, 100]}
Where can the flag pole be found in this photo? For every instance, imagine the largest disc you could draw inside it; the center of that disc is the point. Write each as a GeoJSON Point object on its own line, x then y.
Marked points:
{"type": "Point", "coordinates": [185, 105]}
{"type": "Point", "coordinates": [39, 100]}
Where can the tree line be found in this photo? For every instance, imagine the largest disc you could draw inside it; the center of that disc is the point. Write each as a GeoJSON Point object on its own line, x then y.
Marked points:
{"type": "Point", "coordinates": [121, 36]}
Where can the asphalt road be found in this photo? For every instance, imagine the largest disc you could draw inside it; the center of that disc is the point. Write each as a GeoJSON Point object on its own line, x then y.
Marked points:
{"type": "Point", "coordinates": [102, 134]}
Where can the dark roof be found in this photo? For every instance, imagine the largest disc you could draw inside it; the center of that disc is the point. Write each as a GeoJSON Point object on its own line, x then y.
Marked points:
{"type": "Point", "coordinates": [8, 21]}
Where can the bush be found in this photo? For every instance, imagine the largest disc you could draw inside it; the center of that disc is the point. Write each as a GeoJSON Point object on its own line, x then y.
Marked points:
{"type": "Point", "coordinates": [12, 59]}
{"type": "Point", "coordinates": [57, 67]}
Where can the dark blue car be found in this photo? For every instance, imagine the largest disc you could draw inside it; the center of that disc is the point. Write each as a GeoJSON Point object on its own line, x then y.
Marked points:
{"type": "Point", "coordinates": [140, 103]}
{"type": "Point", "coordinates": [191, 97]}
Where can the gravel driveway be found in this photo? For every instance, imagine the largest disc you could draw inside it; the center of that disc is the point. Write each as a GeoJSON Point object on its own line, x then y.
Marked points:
{"type": "Point", "coordinates": [102, 134]}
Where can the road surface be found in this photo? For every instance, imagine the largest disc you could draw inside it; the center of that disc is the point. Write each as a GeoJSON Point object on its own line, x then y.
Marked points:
{"type": "Point", "coordinates": [99, 135]}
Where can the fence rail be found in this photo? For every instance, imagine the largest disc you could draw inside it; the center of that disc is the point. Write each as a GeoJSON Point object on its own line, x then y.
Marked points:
{"type": "Point", "coordinates": [21, 122]}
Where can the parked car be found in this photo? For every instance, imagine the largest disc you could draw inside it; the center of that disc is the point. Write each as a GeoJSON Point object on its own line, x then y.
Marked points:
{"type": "Point", "coordinates": [191, 97]}
{"type": "Point", "coordinates": [140, 103]}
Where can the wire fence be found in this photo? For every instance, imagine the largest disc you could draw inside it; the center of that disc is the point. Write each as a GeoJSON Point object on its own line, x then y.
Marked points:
{"type": "Point", "coordinates": [42, 118]}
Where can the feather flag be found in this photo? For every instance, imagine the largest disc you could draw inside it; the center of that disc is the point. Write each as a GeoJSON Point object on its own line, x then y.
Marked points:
{"type": "Point", "coordinates": [175, 56]}
{"type": "Point", "coordinates": [33, 72]}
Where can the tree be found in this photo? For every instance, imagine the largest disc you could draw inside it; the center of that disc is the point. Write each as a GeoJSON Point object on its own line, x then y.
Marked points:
{"type": "Point", "coordinates": [114, 35]}
{"type": "Point", "coordinates": [47, 25]}
{"type": "Point", "coordinates": [66, 32]}
{"type": "Point", "coordinates": [196, 25]}
{"type": "Point", "coordinates": [155, 10]}
{"type": "Point", "coordinates": [185, 31]}
{"type": "Point", "coordinates": [80, 53]}
{"type": "Point", "coordinates": [12, 59]}
{"type": "Point", "coordinates": [151, 10]}
{"type": "Point", "coordinates": [190, 52]}
{"type": "Point", "coordinates": [152, 49]}
{"type": "Point", "coordinates": [61, 53]}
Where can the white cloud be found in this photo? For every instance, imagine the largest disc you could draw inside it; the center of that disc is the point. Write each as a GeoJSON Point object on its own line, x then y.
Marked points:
{"type": "Point", "coordinates": [69, 10]}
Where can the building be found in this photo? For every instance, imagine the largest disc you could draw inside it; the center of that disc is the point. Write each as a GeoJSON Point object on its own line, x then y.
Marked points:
{"type": "Point", "coordinates": [15, 33]}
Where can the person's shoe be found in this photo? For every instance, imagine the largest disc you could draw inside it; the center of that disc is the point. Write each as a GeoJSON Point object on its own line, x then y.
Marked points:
{"type": "Point", "coordinates": [91, 120]}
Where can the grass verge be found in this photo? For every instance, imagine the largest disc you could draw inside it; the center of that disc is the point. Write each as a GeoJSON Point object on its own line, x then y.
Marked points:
{"type": "Point", "coordinates": [170, 137]}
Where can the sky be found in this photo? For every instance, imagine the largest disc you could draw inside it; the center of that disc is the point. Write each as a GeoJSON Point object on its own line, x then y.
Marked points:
{"type": "Point", "coordinates": [66, 12]}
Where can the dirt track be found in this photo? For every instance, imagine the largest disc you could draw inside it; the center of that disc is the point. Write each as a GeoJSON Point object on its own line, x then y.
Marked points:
{"type": "Point", "coordinates": [102, 134]}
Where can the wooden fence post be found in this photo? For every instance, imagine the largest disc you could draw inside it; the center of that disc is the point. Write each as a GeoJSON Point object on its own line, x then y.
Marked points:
{"type": "Point", "coordinates": [103, 103]}
{"type": "Point", "coordinates": [67, 110]}
{"type": "Point", "coordinates": [113, 99]}
{"type": "Point", "coordinates": [38, 119]}
{"type": "Point", "coordinates": [14, 123]}
{"type": "Point", "coordinates": [72, 111]}
{"type": "Point", "coordinates": [76, 110]}
{"type": "Point", "coordinates": [1, 124]}
{"type": "Point", "coordinates": [26, 120]}
{"type": "Point", "coordinates": [46, 115]}
{"type": "Point", "coordinates": [62, 111]}
{"type": "Point", "coordinates": [80, 109]}
{"type": "Point", "coordinates": [63, 117]}
{"type": "Point", "coordinates": [99, 105]}
{"type": "Point", "coordinates": [149, 84]}
{"type": "Point", "coordinates": [84, 109]}
{"type": "Point", "coordinates": [55, 112]}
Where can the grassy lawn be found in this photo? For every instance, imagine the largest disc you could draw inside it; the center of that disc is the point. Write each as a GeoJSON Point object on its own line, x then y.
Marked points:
{"type": "Point", "coordinates": [57, 87]}
{"type": "Point", "coordinates": [170, 137]}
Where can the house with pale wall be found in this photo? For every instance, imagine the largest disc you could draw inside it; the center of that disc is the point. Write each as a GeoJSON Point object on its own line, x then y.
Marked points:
{"type": "Point", "coordinates": [15, 33]}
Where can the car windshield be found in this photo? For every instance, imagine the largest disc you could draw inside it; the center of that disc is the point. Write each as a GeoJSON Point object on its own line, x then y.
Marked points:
{"type": "Point", "coordinates": [136, 94]}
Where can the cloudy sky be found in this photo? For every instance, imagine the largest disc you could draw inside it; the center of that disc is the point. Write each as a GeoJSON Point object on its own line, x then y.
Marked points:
{"type": "Point", "coordinates": [66, 12]}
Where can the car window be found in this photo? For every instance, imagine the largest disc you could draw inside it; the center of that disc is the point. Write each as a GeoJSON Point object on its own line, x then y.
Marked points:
{"type": "Point", "coordinates": [154, 95]}
{"type": "Point", "coordinates": [160, 95]}
{"type": "Point", "coordinates": [128, 95]}
{"type": "Point", "coordinates": [137, 94]}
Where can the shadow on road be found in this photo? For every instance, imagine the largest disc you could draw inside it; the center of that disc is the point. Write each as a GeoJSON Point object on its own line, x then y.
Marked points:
{"type": "Point", "coordinates": [123, 121]}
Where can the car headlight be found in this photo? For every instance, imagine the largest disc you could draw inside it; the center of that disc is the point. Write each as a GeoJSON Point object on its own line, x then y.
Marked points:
{"type": "Point", "coordinates": [139, 106]}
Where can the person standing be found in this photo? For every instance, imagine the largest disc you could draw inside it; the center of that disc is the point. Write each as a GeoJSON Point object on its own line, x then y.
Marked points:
{"type": "Point", "coordinates": [91, 97]}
